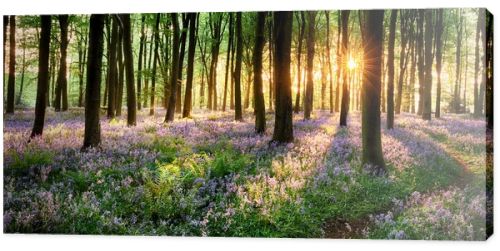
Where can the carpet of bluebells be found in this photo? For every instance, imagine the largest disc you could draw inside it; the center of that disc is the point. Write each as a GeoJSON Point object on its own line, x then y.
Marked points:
{"type": "Point", "coordinates": [211, 176]}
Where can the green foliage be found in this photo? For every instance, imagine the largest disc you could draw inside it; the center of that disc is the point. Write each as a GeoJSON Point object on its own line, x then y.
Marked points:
{"type": "Point", "coordinates": [30, 158]}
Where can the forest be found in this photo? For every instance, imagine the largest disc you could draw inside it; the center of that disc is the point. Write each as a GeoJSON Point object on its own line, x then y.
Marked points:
{"type": "Point", "coordinates": [314, 124]}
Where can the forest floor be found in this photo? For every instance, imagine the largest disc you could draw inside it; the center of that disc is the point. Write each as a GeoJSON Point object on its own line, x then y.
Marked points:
{"type": "Point", "coordinates": [212, 176]}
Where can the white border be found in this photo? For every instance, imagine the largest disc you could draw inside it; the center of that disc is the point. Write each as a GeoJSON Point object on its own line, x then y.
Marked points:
{"type": "Point", "coordinates": [65, 242]}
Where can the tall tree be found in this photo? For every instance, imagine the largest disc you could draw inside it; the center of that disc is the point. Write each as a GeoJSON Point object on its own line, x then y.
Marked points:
{"type": "Point", "coordinates": [92, 136]}
{"type": "Point", "coordinates": [190, 65]}
{"type": "Point", "coordinates": [155, 61]}
{"type": "Point", "coordinates": [427, 101]}
{"type": "Point", "coordinates": [112, 70]}
{"type": "Point", "coordinates": [238, 115]}
{"type": "Point", "coordinates": [308, 104]}
{"type": "Point", "coordinates": [62, 80]}
{"type": "Point", "coordinates": [183, 38]}
{"type": "Point", "coordinates": [372, 29]}
{"type": "Point", "coordinates": [282, 35]}
{"type": "Point", "coordinates": [43, 76]}
{"type": "Point", "coordinates": [458, 62]}
{"type": "Point", "coordinates": [488, 72]}
{"type": "Point", "coordinates": [344, 107]}
{"type": "Point", "coordinates": [477, 59]}
{"type": "Point", "coordinates": [228, 57]}
{"type": "Point", "coordinates": [11, 85]}
{"type": "Point", "coordinates": [82, 57]}
{"type": "Point", "coordinates": [216, 30]}
{"type": "Point", "coordinates": [339, 62]}
{"type": "Point", "coordinates": [121, 71]}
{"type": "Point", "coordinates": [329, 61]}
{"type": "Point", "coordinates": [420, 59]}
{"type": "Point", "coordinates": [302, 29]}
{"type": "Point", "coordinates": [439, 58]}
{"type": "Point", "coordinates": [406, 21]}
{"type": "Point", "coordinates": [169, 117]}
{"type": "Point", "coordinates": [5, 26]}
{"type": "Point", "coordinates": [142, 47]}
{"type": "Point", "coordinates": [129, 68]}
{"type": "Point", "coordinates": [260, 108]}
{"type": "Point", "coordinates": [390, 70]}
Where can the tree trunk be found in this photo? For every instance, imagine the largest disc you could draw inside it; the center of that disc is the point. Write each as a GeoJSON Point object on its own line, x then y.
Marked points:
{"type": "Point", "coordinates": [11, 86]}
{"type": "Point", "coordinates": [23, 70]}
{"type": "Point", "coordinates": [155, 60]}
{"type": "Point", "coordinates": [328, 58]}
{"type": "Point", "coordinates": [147, 93]}
{"type": "Point", "coordinates": [121, 74]}
{"type": "Point", "coordinates": [92, 137]}
{"type": "Point", "coordinates": [420, 53]}
{"type": "Point", "coordinates": [142, 46]}
{"type": "Point", "coordinates": [344, 109]}
{"type": "Point", "coordinates": [5, 26]}
{"type": "Point", "coordinates": [390, 70]}
{"type": "Point", "coordinates": [169, 117]}
{"type": "Point", "coordinates": [178, 101]}
{"type": "Point", "coordinates": [403, 57]}
{"type": "Point", "coordinates": [439, 59]}
{"type": "Point", "coordinates": [112, 70]}
{"type": "Point", "coordinates": [228, 57]}
{"type": "Point", "coordinates": [43, 76]}
{"type": "Point", "coordinates": [302, 29]}
{"type": "Point", "coordinates": [62, 80]}
{"type": "Point", "coordinates": [129, 69]}
{"type": "Point", "coordinates": [479, 30]}
{"type": "Point", "coordinates": [339, 63]}
{"type": "Point", "coordinates": [458, 61]}
{"type": "Point", "coordinates": [308, 106]}
{"type": "Point", "coordinates": [427, 109]}
{"type": "Point", "coordinates": [370, 91]}
{"type": "Point", "coordinates": [238, 115]}
{"type": "Point", "coordinates": [260, 109]}
{"type": "Point", "coordinates": [488, 38]}
{"type": "Point", "coordinates": [282, 35]}
{"type": "Point", "coordinates": [190, 67]}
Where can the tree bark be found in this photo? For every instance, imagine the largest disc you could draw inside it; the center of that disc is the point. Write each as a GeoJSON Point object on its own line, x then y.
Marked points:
{"type": "Point", "coordinates": [478, 106]}
{"type": "Point", "coordinates": [458, 61]}
{"type": "Point", "coordinates": [302, 29]}
{"type": "Point", "coordinates": [260, 109]}
{"type": "Point", "coordinates": [129, 70]}
{"type": "Point", "coordinates": [43, 76]}
{"type": "Point", "coordinates": [238, 115]}
{"type": "Point", "coordinates": [155, 60]}
{"type": "Point", "coordinates": [11, 85]}
{"type": "Point", "coordinates": [308, 106]}
{"type": "Point", "coordinates": [228, 57]}
{"type": "Point", "coordinates": [420, 58]}
{"type": "Point", "coordinates": [282, 35]}
{"type": "Point", "coordinates": [390, 70]}
{"type": "Point", "coordinates": [178, 100]}
{"type": "Point", "coordinates": [190, 67]}
{"type": "Point", "coordinates": [112, 71]}
{"type": "Point", "coordinates": [344, 109]}
{"type": "Point", "coordinates": [142, 46]}
{"type": "Point", "coordinates": [62, 80]}
{"type": "Point", "coordinates": [488, 38]}
{"type": "Point", "coordinates": [427, 109]}
{"type": "Point", "coordinates": [5, 26]}
{"type": "Point", "coordinates": [92, 137]}
{"type": "Point", "coordinates": [169, 117]}
{"type": "Point", "coordinates": [370, 91]}
{"type": "Point", "coordinates": [439, 59]}
{"type": "Point", "coordinates": [121, 74]}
